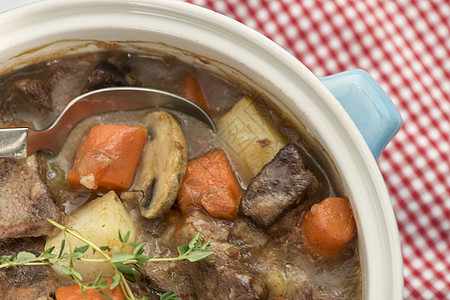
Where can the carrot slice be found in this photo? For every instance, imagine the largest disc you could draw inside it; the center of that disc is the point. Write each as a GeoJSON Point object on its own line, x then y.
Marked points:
{"type": "Point", "coordinates": [209, 174]}
{"type": "Point", "coordinates": [328, 227]}
{"type": "Point", "coordinates": [73, 292]}
{"type": "Point", "coordinates": [193, 92]}
{"type": "Point", "coordinates": [220, 204]}
{"type": "Point", "coordinates": [108, 157]}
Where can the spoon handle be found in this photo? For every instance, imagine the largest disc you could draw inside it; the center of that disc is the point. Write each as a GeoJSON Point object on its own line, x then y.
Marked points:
{"type": "Point", "coordinates": [21, 142]}
{"type": "Point", "coordinates": [13, 142]}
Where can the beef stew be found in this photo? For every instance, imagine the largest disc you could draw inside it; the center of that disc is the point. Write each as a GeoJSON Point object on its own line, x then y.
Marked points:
{"type": "Point", "coordinates": [249, 203]}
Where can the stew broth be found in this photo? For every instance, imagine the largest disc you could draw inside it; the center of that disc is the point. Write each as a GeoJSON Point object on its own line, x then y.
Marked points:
{"type": "Point", "coordinates": [270, 257]}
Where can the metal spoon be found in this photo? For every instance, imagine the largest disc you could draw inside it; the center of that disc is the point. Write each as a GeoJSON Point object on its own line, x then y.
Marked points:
{"type": "Point", "coordinates": [21, 142]}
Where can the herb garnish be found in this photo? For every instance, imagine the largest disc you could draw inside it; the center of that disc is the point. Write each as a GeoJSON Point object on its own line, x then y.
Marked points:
{"type": "Point", "coordinates": [125, 264]}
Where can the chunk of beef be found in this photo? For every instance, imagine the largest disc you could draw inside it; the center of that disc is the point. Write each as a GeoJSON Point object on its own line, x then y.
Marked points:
{"type": "Point", "coordinates": [163, 276]}
{"type": "Point", "coordinates": [39, 93]}
{"type": "Point", "coordinates": [247, 236]}
{"type": "Point", "coordinates": [37, 90]}
{"type": "Point", "coordinates": [145, 286]}
{"type": "Point", "coordinates": [25, 202]}
{"type": "Point", "coordinates": [226, 277]}
{"type": "Point", "coordinates": [210, 229]}
{"type": "Point", "coordinates": [26, 282]}
{"type": "Point", "coordinates": [311, 293]}
{"type": "Point", "coordinates": [175, 276]}
{"type": "Point", "coordinates": [5, 112]}
{"type": "Point", "coordinates": [160, 277]}
{"type": "Point", "coordinates": [286, 273]}
{"type": "Point", "coordinates": [278, 186]}
{"type": "Point", "coordinates": [105, 75]}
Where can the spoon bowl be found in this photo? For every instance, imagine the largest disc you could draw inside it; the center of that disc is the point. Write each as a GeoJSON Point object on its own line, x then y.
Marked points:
{"type": "Point", "coordinates": [21, 142]}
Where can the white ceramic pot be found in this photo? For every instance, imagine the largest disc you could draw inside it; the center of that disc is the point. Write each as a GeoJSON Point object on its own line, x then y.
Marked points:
{"type": "Point", "coordinates": [200, 35]}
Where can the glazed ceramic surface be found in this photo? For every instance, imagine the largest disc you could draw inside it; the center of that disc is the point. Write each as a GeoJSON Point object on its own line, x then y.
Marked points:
{"type": "Point", "coordinates": [197, 35]}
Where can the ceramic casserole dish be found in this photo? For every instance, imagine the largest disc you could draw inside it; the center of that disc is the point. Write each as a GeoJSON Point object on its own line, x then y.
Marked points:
{"type": "Point", "coordinates": [347, 114]}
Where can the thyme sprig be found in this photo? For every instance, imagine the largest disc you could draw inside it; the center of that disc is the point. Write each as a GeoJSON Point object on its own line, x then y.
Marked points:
{"type": "Point", "coordinates": [125, 265]}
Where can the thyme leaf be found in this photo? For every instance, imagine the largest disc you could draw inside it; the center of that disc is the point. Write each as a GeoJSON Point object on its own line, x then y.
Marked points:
{"type": "Point", "coordinates": [169, 296]}
{"type": "Point", "coordinates": [125, 265]}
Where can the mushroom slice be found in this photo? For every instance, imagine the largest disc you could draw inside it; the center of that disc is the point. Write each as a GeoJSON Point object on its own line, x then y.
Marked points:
{"type": "Point", "coordinates": [162, 165]}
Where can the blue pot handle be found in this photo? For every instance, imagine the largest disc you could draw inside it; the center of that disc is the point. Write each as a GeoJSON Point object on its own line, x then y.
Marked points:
{"type": "Point", "coordinates": [370, 108]}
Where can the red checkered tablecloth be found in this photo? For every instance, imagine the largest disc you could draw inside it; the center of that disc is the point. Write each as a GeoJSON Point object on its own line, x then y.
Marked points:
{"type": "Point", "coordinates": [405, 46]}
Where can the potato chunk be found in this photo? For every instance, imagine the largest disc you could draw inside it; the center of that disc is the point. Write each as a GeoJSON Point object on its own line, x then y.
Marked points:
{"type": "Point", "coordinates": [250, 134]}
{"type": "Point", "coordinates": [99, 221]}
